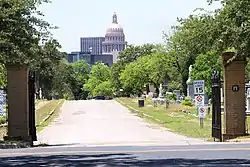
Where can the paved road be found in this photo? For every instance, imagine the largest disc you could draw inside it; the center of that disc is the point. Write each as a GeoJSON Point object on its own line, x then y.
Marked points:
{"type": "Point", "coordinates": [193, 155]}
{"type": "Point", "coordinates": [97, 122]}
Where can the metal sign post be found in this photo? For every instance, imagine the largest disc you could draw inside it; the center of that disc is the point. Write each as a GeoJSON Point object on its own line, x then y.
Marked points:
{"type": "Point", "coordinates": [199, 91]}
{"type": "Point", "coordinates": [202, 114]}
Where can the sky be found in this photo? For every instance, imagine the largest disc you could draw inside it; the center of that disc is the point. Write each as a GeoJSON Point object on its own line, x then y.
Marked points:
{"type": "Point", "coordinates": [143, 20]}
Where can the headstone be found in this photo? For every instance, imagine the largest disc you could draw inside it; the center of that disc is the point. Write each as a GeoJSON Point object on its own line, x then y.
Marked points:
{"type": "Point", "coordinates": [40, 94]}
{"type": "Point", "coordinates": [190, 91]}
{"type": "Point", "coordinates": [2, 103]}
{"type": "Point", "coordinates": [177, 93]}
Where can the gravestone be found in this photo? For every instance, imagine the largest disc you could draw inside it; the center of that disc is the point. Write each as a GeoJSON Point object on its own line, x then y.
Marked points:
{"type": "Point", "coordinates": [234, 96]}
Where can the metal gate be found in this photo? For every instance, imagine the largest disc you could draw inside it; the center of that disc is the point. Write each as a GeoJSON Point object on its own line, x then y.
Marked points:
{"type": "Point", "coordinates": [216, 106]}
{"type": "Point", "coordinates": [32, 91]}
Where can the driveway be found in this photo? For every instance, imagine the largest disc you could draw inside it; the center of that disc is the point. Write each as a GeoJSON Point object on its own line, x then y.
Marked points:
{"type": "Point", "coordinates": [106, 123]}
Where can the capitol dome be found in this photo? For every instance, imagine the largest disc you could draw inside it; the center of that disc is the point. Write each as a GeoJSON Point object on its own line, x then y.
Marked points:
{"type": "Point", "coordinates": [114, 29]}
{"type": "Point", "coordinates": [114, 37]}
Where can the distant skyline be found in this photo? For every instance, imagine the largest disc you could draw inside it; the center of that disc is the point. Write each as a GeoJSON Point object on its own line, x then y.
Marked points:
{"type": "Point", "coordinates": [143, 20]}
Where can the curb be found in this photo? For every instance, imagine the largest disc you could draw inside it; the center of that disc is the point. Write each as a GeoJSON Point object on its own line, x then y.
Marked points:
{"type": "Point", "coordinates": [14, 145]}
{"type": "Point", "coordinates": [50, 114]}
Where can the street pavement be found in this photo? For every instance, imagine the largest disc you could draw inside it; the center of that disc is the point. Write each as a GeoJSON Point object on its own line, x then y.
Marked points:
{"type": "Point", "coordinates": [104, 133]}
{"type": "Point", "coordinates": [106, 123]}
{"type": "Point", "coordinates": [216, 155]}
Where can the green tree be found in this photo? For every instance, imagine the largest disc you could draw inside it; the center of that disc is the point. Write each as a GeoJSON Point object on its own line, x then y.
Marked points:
{"type": "Point", "coordinates": [132, 53]}
{"type": "Point", "coordinates": [99, 73]}
{"type": "Point", "coordinates": [204, 66]}
{"type": "Point", "coordinates": [21, 30]}
{"type": "Point", "coordinates": [134, 77]}
{"type": "Point", "coordinates": [61, 88]}
{"type": "Point", "coordinates": [152, 69]}
{"type": "Point", "coordinates": [80, 75]}
{"type": "Point", "coordinates": [189, 39]}
{"type": "Point", "coordinates": [45, 67]}
{"type": "Point", "coordinates": [103, 89]}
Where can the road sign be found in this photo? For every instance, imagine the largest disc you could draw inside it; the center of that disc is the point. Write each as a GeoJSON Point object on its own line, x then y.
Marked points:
{"type": "Point", "coordinates": [202, 111]}
{"type": "Point", "coordinates": [199, 100]}
{"type": "Point", "coordinates": [199, 87]}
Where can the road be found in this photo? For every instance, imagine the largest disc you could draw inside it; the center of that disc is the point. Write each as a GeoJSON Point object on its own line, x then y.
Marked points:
{"type": "Point", "coordinates": [104, 133]}
{"type": "Point", "coordinates": [97, 122]}
{"type": "Point", "coordinates": [157, 156]}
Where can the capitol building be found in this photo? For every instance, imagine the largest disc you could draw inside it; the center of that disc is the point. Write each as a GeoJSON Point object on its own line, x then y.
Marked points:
{"type": "Point", "coordinates": [101, 49]}
{"type": "Point", "coordinates": [114, 37]}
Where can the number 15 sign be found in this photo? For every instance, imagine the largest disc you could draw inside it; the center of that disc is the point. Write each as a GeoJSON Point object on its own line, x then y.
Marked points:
{"type": "Point", "coordinates": [199, 87]}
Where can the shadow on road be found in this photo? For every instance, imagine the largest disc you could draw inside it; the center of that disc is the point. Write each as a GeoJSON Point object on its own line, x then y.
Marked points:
{"type": "Point", "coordinates": [112, 160]}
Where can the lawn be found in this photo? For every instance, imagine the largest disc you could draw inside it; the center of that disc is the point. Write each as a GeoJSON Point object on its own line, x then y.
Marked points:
{"type": "Point", "coordinates": [41, 114]}
{"type": "Point", "coordinates": [173, 118]}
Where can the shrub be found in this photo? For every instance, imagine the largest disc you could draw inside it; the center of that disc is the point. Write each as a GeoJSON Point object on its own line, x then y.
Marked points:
{"type": "Point", "coordinates": [172, 97]}
{"type": "Point", "coordinates": [187, 102]}
{"type": "Point", "coordinates": [2, 120]}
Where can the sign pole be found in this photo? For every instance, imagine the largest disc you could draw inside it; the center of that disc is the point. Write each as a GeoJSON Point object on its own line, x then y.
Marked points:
{"type": "Point", "coordinates": [201, 123]}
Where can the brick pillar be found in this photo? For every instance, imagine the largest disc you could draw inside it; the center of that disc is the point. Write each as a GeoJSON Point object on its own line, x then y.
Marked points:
{"type": "Point", "coordinates": [234, 96]}
{"type": "Point", "coordinates": [17, 90]}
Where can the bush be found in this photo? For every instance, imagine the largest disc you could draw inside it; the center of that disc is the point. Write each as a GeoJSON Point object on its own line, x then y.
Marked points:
{"type": "Point", "coordinates": [172, 97]}
{"type": "Point", "coordinates": [2, 120]}
{"type": "Point", "coordinates": [187, 102]}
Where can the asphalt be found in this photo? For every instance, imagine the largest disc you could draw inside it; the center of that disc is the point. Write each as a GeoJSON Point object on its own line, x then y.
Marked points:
{"type": "Point", "coordinates": [104, 133]}
{"type": "Point", "coordinates": [77, 156]}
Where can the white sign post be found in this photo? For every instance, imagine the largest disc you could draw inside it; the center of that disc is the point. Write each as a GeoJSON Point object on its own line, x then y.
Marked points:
{"type": "Point", "coordinates": [199, 91]}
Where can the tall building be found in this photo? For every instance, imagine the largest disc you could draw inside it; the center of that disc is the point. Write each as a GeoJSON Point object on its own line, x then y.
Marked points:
{"type": "Point", "coordinates": [92, 44]}
{"type": "Point", "coordinates": [101, 49]}
{"type": "Point", "coordinates": [114, 37]}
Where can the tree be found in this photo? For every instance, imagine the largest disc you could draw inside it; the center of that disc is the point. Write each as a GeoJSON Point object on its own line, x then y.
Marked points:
{"type": "Point", "coordinates": [115, 72]}
{"type": "Point", "coordinates": [132, 53]}
{"type": "Point", "coordinates": [189, 39]}
{"type": "Point", "coordinates": [134, 77]}
{"type": "Point", "coordinates": [103, 89]}
{"type": "Point", "coordinates": [146, 70]}
{"type": "Point", "coordinates": [99, 73]}
{"type": "Point", "coordinates": [204, 66]}
{"type": "Point", "coordinates": [61, 88]}
{"type": "Point", "coordinates": [79, 76]}
{"type": "Point", "coordinates": [45, 67]}
{"type": "Point", "coordinates": [21, 30]}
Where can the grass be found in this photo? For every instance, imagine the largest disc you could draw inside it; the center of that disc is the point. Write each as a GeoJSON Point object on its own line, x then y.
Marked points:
{"type": "Point", "coordinates": [45, 111]}
{"type": "Point", "coordinates": [173, 118]}
{"type": "Point", "coordinates": [3, 132]}
{"type": "Point", "coordinates": [41, 114]}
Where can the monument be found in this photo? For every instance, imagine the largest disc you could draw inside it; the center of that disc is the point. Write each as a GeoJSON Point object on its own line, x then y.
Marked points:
{"type": "Point", "coordinates": [160, 91]}
{"type": "Point", "coordinates": [234, 96]}
{"type": "Point", "coordinates": [190, 86]}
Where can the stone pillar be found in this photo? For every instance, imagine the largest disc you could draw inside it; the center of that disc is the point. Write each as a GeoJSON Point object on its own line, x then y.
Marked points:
{"type": "Point", "coordinates": [234, 96]}
{"type": "Point", "coordinates": [18, 99]}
